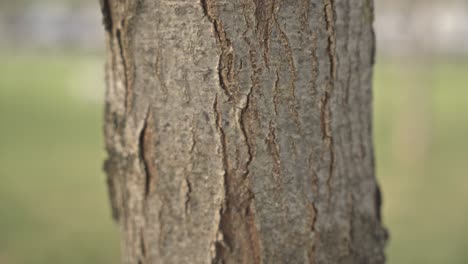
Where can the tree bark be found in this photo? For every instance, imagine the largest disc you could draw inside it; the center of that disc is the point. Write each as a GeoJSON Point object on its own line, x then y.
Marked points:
{"type": "Point", "coordinates": [239, 131]}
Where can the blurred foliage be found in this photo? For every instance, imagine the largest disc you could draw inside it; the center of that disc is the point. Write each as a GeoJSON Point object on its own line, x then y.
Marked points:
{"type": "Point", "coordinates": [53, 199]}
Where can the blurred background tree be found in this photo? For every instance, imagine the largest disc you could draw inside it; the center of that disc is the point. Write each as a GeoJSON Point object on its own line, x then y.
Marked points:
{"type": "Point", "coordinates": [53, 201]}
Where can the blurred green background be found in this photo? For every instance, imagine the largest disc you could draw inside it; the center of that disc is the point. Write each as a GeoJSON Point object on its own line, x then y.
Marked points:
{"type": "Point", "coordinates": [53, 198]}
{"type": "Point", "coordinates": [53, 203]}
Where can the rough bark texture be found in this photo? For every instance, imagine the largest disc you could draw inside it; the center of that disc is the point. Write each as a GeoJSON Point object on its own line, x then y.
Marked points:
{"type": "Point", "coordinates": [239, 131]}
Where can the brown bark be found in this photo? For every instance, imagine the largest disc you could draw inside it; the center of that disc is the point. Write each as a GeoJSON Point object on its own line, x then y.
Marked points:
{"type": "Point", "coordinates": [239, 131]}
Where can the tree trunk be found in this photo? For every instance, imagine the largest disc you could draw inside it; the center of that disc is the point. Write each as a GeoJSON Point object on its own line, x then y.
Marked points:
{"type": "Point", "coordinates": [239, 131]}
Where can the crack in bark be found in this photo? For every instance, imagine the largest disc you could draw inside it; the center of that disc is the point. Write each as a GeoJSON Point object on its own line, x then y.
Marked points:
{"type": "Point", "coordinates": [290, 57]}
{"type": "Point", "coordinates": [292, 70]}
{"type": "Point", "coordinates": [238, 236]}
{"type": "Point", "coordinates": [187, 195]}
{"type": "Point", "coordinates": [348, 44]}
{"type": "Point", "coordinates": [192, 131]}
{"type": "Point", "coordinates": [128, 90]}
{"type": "Point", "coordinates": [161, 227]}
{"type": "Point", "coordinates": [275, 152]}
{"type": "Point", "coordinates": [325, 119]}
{"type": "Point", "coordinates": [315, 179]}
{"type": "Point", "coordinates": [330, 19]}
{"type": "Point", "coordinates": [244, 110]}
{"type": "Point", "coordinates": [244, 133]}
{"type": "Point", "coordinates": [313, 212]}
{"type": "Point", "coordinates": [378, 202]}
{"type": "Point", "coordinates": [220, 245]}
{"type": "Point", "coordinates": [361, 135]}
{"type": "Point", "coordinates": [351, 223]}
{"type": "Point", "coordinates": [314, 218]}
{"type": "Point", "coordinates": [158, 73]}
{"type": "Point", "coordinates": [142, 247]}
{"type": "Point", "coordinates": [315, 63]}
{"type": "Point", "coordinates": [144, 160]}
{"type": "Point", "coordinates": [147, 153]}
{"type": "Point", "coordinates": [276, 96]}
{"type": "Point", "coordinates": [226, 58]}
{"type": "Point", "coordinates": [325, 108]}
{"type": "Point", "coordinates": [205, 7]}
{"type": "Point", "coordinates": [264, 16]}
{"type": "Point", "coordinates": [222, 135]}
{"type": "Point", "coordinates": [248, 223]}
{"type": "Point", "coordinates": [305, 14]}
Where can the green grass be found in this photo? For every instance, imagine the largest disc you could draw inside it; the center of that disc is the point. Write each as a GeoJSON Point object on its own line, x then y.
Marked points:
{"type": "Point", "coordinates": [53, 199]}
